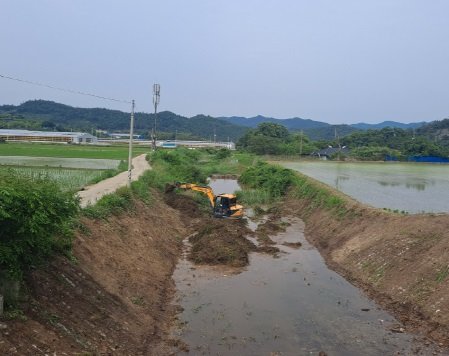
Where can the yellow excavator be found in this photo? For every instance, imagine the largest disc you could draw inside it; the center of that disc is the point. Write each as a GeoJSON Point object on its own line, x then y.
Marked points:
{"type": "Point", "coordinates": [223, 205]}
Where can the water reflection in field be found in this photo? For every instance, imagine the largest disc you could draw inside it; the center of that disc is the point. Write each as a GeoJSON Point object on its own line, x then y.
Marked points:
{"type": "Point", "coordinates": [410, 187]}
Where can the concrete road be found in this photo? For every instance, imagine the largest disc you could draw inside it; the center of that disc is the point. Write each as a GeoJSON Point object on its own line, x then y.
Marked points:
{"type": "Point", "coordinates": [92, 193]}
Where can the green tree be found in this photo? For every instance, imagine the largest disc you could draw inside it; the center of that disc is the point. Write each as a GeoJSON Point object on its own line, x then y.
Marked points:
{"type": "Point", "coordinates": [272, 130]}
{"type": "Point", "coordinates": [275, 139]}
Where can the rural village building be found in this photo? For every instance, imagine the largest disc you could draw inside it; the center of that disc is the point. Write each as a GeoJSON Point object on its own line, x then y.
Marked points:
{"type": "Point", "coordinates": [326, 153]}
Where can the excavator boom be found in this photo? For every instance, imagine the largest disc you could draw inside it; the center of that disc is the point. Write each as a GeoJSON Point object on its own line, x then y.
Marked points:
{"type": "Point", "coordinates": [223, 205]}
{"type": "Point", "coordinates": [199, 188]}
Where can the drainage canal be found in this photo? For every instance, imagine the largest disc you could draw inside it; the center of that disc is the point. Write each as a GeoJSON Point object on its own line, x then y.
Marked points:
{"type": "Point", "coordinates": [290, 305]}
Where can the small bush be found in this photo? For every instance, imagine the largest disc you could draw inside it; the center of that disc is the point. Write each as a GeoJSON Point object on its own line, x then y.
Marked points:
{"type": "Point", "coordinates": [223, 153]}
{"type": "Point", "coordinates": [272, 179]}
{"type": "Point", "coordinates": [35, 221]}
{"type": "Point", "coordinates": [253, 197]}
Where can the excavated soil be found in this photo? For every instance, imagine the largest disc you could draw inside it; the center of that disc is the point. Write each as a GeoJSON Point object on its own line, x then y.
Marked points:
{"type": "Point", "coordinates": [222, 242]}
{"type": "Point", "coordinates": [399, 260]}
{"type": "Point", "coordinates": [113, 298]}
{"type": "Point", "coordinates": [216, 241]}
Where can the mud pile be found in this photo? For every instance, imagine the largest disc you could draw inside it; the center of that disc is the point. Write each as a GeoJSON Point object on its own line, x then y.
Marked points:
{"type": "Point", "coordinates": [185, 204]}
{"type": "Point", "coordinates": [222, 242]}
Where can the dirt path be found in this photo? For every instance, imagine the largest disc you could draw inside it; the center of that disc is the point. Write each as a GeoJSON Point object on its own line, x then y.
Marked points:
{"type": "Point", "coordinates": [92, 193]}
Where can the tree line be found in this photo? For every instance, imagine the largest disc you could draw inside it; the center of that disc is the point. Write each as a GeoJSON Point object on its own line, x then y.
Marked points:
{"type": "Point", "coordinates": [275, 139]}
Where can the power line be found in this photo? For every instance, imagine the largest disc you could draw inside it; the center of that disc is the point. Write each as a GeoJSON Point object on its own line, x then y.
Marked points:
{"type": "Point", "coordinates": [64, 89]}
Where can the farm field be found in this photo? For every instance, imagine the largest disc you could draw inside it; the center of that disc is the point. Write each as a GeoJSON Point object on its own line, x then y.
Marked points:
{"type": "Point", "coordinates": [78, 163]}
{"type": "Point", "coordinates": [68, 179]}
{"type": "Point", "coordinates": [71, 166]}
{"type": "Point", "coordinates": [119, 152]}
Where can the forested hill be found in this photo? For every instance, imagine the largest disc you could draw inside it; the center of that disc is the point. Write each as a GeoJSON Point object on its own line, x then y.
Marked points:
{"type": "Point", "coordinates": [42, 114]}
{"type": "Point", "coordinates": [48, 115]}
{"type": "Point", "coordinates": [437, 131]}
{"type": "Point", "coordinates": [297, 123]}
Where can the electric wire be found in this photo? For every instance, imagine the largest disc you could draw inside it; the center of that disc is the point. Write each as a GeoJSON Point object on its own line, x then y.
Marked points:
{"type": "Point", "coordinates": [64, 89]}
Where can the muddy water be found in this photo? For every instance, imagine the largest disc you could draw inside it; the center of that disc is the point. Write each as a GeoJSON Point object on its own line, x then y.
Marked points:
{"type": "Point", "coordinates": [291, 305]}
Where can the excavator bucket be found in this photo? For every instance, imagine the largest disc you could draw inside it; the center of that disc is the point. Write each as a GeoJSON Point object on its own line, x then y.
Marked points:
{"type": "Point", "coordinates": [169, 187]}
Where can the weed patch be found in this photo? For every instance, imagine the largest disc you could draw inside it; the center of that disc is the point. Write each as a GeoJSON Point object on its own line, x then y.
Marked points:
{"type": "Point", "coordinates": [109, 204]}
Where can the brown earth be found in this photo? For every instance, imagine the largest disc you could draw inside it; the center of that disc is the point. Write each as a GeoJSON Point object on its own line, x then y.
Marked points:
{"type": "Point", "coordinates": [399, 260]}
{"type": "Point", "coordinates": [114, 299]}
{"type": "Point", "coordinates": [222, 242]}
{"type": "Point", "coordinates": [216, 241]}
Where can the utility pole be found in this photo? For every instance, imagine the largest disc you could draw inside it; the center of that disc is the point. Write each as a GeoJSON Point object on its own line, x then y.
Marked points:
{"type": "Point", "coordinates": [156, 99]}
{"type": "Point", "coordinates": [300, 144]}
{"type": "Point", "coordinates": [130, 150]}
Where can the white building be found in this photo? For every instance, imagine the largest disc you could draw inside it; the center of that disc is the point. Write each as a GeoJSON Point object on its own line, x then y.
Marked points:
{"type": "Point", "coordinates": [47, 136]}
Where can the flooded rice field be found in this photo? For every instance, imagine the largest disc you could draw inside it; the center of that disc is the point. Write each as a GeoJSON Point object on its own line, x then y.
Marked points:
{"type": "Point", "coordinates": [410, 187]}
{"type": "Point", "coordinates": [82, 163]}
{"type": "Point", "coordinates": [289, 305]}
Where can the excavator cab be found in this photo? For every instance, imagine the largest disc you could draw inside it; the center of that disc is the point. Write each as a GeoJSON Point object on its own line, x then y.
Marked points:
{"type": "Point", "coordinates": [226, 206]}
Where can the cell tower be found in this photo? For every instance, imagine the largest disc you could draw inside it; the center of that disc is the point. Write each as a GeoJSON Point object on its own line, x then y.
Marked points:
{"type": "Point", "coordinates": [156, 99]}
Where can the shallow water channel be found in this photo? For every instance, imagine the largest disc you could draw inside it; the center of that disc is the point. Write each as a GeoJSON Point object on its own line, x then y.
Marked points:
{"type": "Point", "coordinates": [291, 305]}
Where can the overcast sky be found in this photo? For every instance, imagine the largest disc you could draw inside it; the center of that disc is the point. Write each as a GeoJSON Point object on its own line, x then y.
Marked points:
{"type": "Point", "coordinates": [334, 61]}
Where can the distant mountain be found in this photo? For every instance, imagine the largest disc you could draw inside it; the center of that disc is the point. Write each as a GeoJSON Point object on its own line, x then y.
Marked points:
{"type": "Point", "coordinates": [363, 126]}
{"type": "Point", "coordinates": [295, 123]}
{"type": "Point", "coordinates": [48, 115]}
{"type": "Point", "coordinates": [42, 114]}
{"type": "Point", "coordinates": [329, 132]}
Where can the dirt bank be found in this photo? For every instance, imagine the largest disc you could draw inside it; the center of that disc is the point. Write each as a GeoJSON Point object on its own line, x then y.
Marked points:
{"type": "Point", "coordinates": [400, 260]}
{"type": "Point", "coordinates": [113, 298]}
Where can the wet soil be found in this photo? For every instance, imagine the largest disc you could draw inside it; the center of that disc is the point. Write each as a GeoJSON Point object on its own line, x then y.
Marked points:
{"type": "Point", "coordinates": [221, 242]}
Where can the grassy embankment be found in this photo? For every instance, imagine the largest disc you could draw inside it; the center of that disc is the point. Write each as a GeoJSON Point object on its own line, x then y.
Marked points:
{"type": "Point", "coordinates": [37, 207]}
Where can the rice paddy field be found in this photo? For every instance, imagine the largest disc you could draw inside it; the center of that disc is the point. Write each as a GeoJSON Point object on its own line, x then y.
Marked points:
{"type": "Point", "coordinates": [71, 166]}
{"type": "Point", "coordinates": [68, 179]}
{"type": "Point", "coordinates": [116, 152]}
